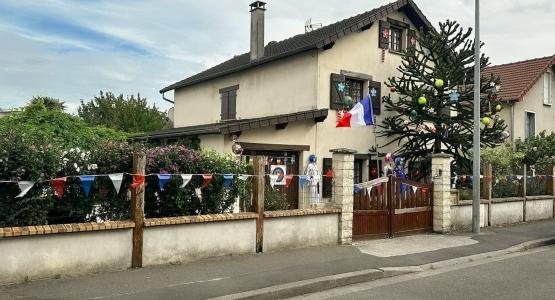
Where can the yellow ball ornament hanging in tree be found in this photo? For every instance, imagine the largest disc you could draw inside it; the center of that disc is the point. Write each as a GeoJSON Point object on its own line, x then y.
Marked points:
{"type": "Point", "coordinates": [438, 83]}
{"type": "Point", "coordinates": [422, 100]}
{"type": "Point", "coordinates": [498, 107]}
{"type": "Point", "coordinates": [486, 121]}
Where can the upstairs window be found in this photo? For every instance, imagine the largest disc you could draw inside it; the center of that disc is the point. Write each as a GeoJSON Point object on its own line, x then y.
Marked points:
{"type": "Point", "coordinates": [228, 98]}
{"type": "Point", "coordinates": [530, 124]}
{"type": "Point", "coordinates": [396, 39]}
{"type": "Point", "coordinates": [353, 89]}
{"type": "Point", "coordinates": [547, 88]}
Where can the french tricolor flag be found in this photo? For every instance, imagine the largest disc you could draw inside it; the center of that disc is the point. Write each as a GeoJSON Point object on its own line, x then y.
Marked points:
{"type": "Point", "coordinates": [361, 114]}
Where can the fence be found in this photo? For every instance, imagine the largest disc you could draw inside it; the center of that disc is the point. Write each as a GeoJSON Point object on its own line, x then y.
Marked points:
{"type": "Point", "coordinates": [45, 251]}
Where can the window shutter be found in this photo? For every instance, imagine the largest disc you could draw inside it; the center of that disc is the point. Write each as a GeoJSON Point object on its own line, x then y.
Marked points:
{"type": "Point", "coordinates": [376, 100]}
{"type": "Point", "coordinates": [225, 105]}
{"type": "Point", "coordinates": [327, 181]}
{"type": "Point", "coordinates": [336, 95]}
{"type": "Point", "coordinates": [383, 36]}
{"type": "Point", "coordinates": [411, 38]}
{"type": "Point", "coordinates": [232, 105]}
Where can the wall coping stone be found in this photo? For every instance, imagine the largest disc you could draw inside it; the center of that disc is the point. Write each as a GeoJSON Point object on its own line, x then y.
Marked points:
{"type": "Point", "coordinates": [442, 155]}
{"type": "Point", "coordinates": [301, 212]}
{"type": "Point", "coordinates": [469, 202]}
{"type": "Point", "coordinates": [509, 199]}
{"type": "Point", "coordinates": [199, 219]}
{"type": "Point", "coordinates": [540, 197]}
{"type": "Point", "coordinates": [63, 228]}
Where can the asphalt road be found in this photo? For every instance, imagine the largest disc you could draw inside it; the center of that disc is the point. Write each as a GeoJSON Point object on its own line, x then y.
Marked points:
{"type": "Point", "coordinates": [527, 275]}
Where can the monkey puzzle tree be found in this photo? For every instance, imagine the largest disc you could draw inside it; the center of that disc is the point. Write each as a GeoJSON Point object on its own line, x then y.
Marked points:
{"type": "Point", "coordinates": [434, 110]}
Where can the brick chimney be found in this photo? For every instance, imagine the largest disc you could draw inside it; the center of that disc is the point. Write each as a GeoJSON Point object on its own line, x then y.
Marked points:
{"type": "Point", "coordinates": [257, 29]}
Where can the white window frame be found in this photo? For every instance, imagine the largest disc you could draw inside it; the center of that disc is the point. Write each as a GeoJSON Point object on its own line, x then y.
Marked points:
{"type": "Point", "coordinates": [526, 133]}
{"type": "Point", "coordinates": [547, 88]}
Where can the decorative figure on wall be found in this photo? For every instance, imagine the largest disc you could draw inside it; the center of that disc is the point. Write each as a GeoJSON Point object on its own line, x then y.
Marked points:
{"type": "Point", "coordinates": [313, 175]}
{"type": "Point", "coordinates": [236, 147]}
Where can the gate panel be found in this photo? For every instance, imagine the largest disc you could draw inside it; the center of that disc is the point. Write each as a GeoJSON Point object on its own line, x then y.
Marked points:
{"type": "Point", "coordinates": [371, 213]}
{"type": "Point", "coordinates": [413, 209]}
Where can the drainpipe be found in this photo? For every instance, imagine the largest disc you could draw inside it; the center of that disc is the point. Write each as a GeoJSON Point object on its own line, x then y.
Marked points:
{"type": "Point", "coordinates": [166, 99]}
{"type": "Point", "coordinates": [513, 122]}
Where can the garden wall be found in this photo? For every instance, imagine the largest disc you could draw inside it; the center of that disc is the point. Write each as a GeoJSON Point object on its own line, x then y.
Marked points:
{"type": "Point", "coordinates": [285, 230]}
{"type": "Point", "coordinates": [38, 252]}
{"type": "Point", "coordinates": [503, 211]}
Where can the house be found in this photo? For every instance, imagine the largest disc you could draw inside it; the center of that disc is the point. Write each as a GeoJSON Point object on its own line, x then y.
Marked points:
{"type": "Point", "coordinates": [527, 89]}
{"type": "Point", "coordinates": [281, 99]}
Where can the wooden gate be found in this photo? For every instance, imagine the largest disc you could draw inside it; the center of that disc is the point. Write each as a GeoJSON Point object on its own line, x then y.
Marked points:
{"type": "Point", "coordinates": [392, 208]}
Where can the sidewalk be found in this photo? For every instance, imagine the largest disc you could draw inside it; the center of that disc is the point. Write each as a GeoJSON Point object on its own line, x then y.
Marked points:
{"type": "Point", "coordinates": [229, 275]}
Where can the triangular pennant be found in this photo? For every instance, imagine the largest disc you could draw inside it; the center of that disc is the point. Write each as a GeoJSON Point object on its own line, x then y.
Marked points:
{"type": "Point", "coordinates": [424, 190]}
{"type": "Point", "coordinates": [288, 180]}
{"type": "Point", "coordinates": [369, 189]}
{"type": "Point", "coordinates": [243, 177]}
{"type": "Point", "coordinates": [24, 187]}
{"type": "Point", "coordinates": [206, 179]}
{"type": "Point", "coordinates": [403, 187]}
{"type": "Point", "coordinates": [86, 183]}
{"type": "Point", "coordinates": [138, 180]}
{"type": "Point", "coordinates": [379, 189]}
{"type": "Point", "coordinates": [59, 185]}
{"type": "Point", "coordinates": [116, 181]}
{"type": "Point", "coordinates": [519, 177]}
{"type": "Point", "coordinates": [228, 180]}
{"type": "Point", "coordinates": [273, 179]}
{"type": "Point", "coordinates": [302, 180]}
{"type": "Point", "coordinates": [414, 189]}
{"type": "Point", "coordinates": [186, 178]}
{"type": "Point", "coordinates": [356, 188]}
{"type": "Point", "coordinates": [163, 179]}
{"type": "Point", "coordinates": [330, 174]}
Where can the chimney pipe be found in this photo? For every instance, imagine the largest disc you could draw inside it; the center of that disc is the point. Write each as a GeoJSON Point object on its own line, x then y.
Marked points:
{"type": "Point", "coordinates": [257, 29]}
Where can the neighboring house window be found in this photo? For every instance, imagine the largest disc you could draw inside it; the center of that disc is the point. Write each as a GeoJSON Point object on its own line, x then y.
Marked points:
{"type": "Point", "coordinates": [353, 89]}
{"type": "Point", "coordinates": [530, 124]}
{"type": "Point", "coordinates": [547, 88]}
{"type": "Point", "coordinates": [228, 97]}
{"type": "Point", "coordinates": [396, 39]}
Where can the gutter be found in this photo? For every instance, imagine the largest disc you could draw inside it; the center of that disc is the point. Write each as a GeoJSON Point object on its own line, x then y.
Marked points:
{"type": "Point", "coordinates": [166, 99]}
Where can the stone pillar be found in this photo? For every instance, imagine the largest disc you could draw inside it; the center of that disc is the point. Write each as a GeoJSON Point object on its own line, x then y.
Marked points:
{"type": "Point", "coordinates": [441, 174]}
{"type": "Point", "coordinates": [343, 185]}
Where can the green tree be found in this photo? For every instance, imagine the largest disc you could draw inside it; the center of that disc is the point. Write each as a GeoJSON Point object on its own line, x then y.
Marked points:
{"type": "Point", "coordinates": [434, 111]}
{"type": "Point", "coordinates": [46, 103]}
{"type": "Point", "coordinates": [131, 114]}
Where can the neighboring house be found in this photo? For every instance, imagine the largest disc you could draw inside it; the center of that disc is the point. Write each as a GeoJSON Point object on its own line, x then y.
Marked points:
{"type": "Point", "coordinates": [5, 112]}
{"type": "Point", "coordinates": [281, 100]}
{"type": "Point", "coordinates": [527, 90]}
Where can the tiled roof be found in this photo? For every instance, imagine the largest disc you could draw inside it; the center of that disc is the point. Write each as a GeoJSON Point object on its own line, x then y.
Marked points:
{"type": "Point", "coordinates": [233, 126]}
{"type": "Point", "coordinates": [518, 78]}
{"type": "Point", "coordinates": [311, 40]}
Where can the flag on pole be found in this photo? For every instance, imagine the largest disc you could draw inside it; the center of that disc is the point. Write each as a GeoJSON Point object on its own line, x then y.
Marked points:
{"type": "Point", "coordinates": [361, 114]}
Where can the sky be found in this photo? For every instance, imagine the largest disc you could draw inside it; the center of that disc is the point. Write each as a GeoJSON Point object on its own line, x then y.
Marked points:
{"type": "Point", "coordinates": [71, 50]}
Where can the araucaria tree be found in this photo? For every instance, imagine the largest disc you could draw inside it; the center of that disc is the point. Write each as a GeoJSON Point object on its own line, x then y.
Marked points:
{"type": "Point", "coordinates": [434, 110]}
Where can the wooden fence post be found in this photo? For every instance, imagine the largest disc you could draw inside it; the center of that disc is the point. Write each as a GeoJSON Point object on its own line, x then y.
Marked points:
{"type": "Point", "coordinates": [525, 181]}
{"type": "Point", "coordinates": [138, 211]}
{"type": "Point", "coordinates": [258, 200]}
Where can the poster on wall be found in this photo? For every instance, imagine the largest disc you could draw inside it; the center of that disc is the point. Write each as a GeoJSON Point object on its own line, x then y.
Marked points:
{"type": "Point", "coordinates": [278, 170]}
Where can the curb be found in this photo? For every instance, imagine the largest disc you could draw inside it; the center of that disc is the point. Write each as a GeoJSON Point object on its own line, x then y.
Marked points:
{"type": "Point", "coordinates": [319, 284]}
{"type": "Point", "coordinates": [308, 286]}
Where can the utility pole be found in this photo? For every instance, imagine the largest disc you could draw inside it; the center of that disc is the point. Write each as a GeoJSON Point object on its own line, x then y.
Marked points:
{"type": "Point", "coordinates": [476, 150]}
